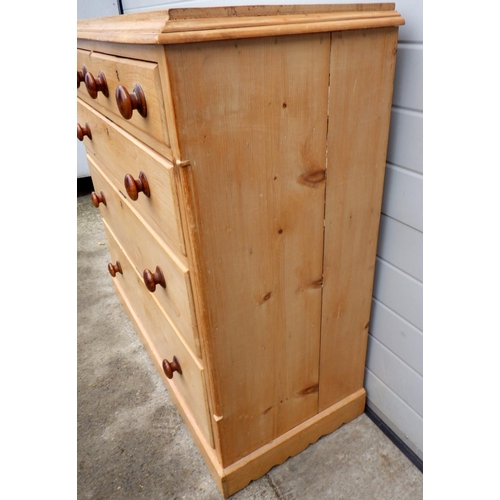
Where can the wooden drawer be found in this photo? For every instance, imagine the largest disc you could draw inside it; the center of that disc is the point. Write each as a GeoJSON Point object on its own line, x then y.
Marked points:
{"type": "Point", "coordinates": [160, 337]}
{"type": "Point", "coordinates": [121, 154]}
{"type": "Point", "coordinates": [128, 73]}
{"type": "Point", "coordinates": [147, 251]}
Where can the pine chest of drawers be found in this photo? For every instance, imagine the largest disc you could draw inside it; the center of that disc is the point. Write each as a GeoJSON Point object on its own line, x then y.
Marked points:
{"type": "Point", "coordinates": [238, 159]}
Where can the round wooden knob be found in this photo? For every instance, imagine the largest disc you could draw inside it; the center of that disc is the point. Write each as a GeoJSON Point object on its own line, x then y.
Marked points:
{"type": "Point", "coordinates": [153, 279]}
{"type": "Point", "coordinates": [127, 102]}
{"type": "Point", "coordinates": [96, 85]}
{"type": "Point", "coordinates": [81, 132]}
{"type": "Point", "coordinates": [134, 187]}
{"type": "Point", "coordinates": [98, 198]}
{"type": "Point", "coordinates": [80, 76]}
{"type": "Point", "coordinates": [170, 368]}
{"type": "Point", "coordinates": [115, 268]}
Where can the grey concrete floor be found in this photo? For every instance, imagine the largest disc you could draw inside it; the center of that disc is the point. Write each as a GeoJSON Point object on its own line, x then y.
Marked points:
{"type": "Point", "coordinates": [133, 445]}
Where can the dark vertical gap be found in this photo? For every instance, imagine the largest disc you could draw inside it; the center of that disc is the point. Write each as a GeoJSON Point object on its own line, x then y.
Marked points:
{"type": "Point", "coordinates": [84, 186]}
{"type": "Point", "coordinates": [120, 7]}
{"type": "Point", "coordinates": [324, 216]}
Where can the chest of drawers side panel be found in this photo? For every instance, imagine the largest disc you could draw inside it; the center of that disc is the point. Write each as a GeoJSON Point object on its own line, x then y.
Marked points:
{"type": "Point", "coordinates": [251, 118]}
{"type": "Point", "coordinates": [362, 72]}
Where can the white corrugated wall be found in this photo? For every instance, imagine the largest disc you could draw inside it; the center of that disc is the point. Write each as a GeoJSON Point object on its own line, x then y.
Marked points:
{"type": "Point", "coordinates": [394, 362]}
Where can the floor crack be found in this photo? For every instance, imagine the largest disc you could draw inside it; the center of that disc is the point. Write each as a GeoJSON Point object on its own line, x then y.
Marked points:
{"type": "Point", "coordinates": [276, 490]}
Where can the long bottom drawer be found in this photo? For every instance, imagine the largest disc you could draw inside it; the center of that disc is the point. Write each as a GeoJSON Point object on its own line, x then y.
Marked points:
{"type": "Point", "coordinates": [161, 339]}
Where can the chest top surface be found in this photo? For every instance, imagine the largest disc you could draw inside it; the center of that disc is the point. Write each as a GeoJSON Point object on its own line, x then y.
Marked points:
{"type": "Point", "coordinates": [184, 25]}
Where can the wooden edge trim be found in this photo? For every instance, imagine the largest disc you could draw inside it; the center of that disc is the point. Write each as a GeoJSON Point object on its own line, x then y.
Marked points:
{"type": "Point", "coordinates": [256, 464]}
{"type": "Point", "coordinates": [248, 22]}
{"type": "Point", "coordinates": [222, 29]}
{"type": "Point", "coordinates": [271, 10]}
{"type": "Point", "coordinates": [279, 30]}
{"type": "Point", "coordinates": [118, 36]}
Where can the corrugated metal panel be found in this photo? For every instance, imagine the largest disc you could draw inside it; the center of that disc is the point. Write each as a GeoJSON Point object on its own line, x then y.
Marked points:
{"type": "Point", "coordinates": [395, 374]}
{"type": "Point", "coordinates": [397, 334]}
{"type": "Point", "coordinates": [399, 292]}
{"type": "Point", "coordinates": [406, 140]}
{"type": "Point", "coordinates": [403, 199]}
{"type": "Point", "coordinates": [401, 245]}
{"type": "Point", "coordinates": [408, 88]}
{"type": "Point", "coordinates": [398, 415]}
{"type": "Point", "coordinates": [395, 352]}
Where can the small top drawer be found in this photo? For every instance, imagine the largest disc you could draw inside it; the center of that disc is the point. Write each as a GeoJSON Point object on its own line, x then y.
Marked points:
{"type": "Point", "coordinates": [108, 82]}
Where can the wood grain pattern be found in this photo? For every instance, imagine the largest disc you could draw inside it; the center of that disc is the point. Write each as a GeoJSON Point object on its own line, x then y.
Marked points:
{"type": "Point", "coordinates": [291, 443]}
{"type": "Point", "coordinates": [147, 251]}
{"type": "Point", "coordinates": [271, 174]}
{"type": "Point", "coordinates": [236, 22]}
{"type": "Point", "coordinates": [279, 28]}
{"type": "Point", "coordinates": [362, 69]}
{"type": "Point", "coordinates": [260, 222]}
{"type": "Point", "coordinates": [221, 23]}
{"type": "Point", "coordinates": [150, 53]}
{"type": "Point", "coordinates": [161, 334]}
{"type": "Point", "coordinates": [239, 11]}
{"type": "Point", "coordinates": [128, 72]}
{"type": "Point", "coordinates": [122, 154]}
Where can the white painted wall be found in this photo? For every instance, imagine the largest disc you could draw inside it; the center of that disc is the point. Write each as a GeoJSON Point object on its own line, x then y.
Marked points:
{"type": "Point", "coordinates": [395, 355]}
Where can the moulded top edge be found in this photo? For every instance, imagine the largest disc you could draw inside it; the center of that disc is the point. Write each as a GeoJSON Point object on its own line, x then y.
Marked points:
{"type": "Point", "coordinates": [218, 23]}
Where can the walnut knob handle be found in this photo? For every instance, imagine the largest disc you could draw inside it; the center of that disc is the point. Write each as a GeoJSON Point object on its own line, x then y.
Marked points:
{"type": "Point", "coordinates": [80, 76]}
{"type": "Point", "coordinates": [153, 279]}
{"type": "Point", "coordinates": [134, 187]}
{"type": "Point", "coordinates": [96, 85]}
{"type": "Point", "coordinates": [81, 132]}
{"type": "Point", "coordinates": [127, 102]}
{"type": "Point", "coordinates": [98, 198]}
{"type": "Point", "coordinates": [115, 268]}
{"type": "Point", "coordinates": [170, 368]}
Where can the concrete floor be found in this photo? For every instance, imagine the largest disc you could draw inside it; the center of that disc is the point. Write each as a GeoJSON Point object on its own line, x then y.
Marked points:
{"type": "Point", "coordinates": [133, 445]}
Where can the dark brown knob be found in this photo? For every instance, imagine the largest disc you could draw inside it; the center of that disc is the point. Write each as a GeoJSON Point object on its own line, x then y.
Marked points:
{"type": "Point", "coordinates": [134, 187]}
{"type": "Point", "coordinates": [153, 279]}
{"type": "Point", "coordinates": [81, 132]}
{"type": "Point", "coordinates": [115, 268]}
{"type": "Point", "coordinates": [80, 76]}
{"type": "Point", "coordinates": [128, 102]}
{"type": "Point", "coordinates": [98, 198]}
{"type": "Point", "coordinates": [96, 85]}
{"type": "Point", "coordinates": [170, 368]}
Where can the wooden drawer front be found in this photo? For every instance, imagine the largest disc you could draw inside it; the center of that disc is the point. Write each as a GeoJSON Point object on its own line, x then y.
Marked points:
{"type": "Point", "coordinates": [147, 251]}
{"type": "Point", "coordinates": [160, 337]}
{"type": "Point", "coordinates": [127, 72]}
{"type": "Point", "coordinates": [121, 154]}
